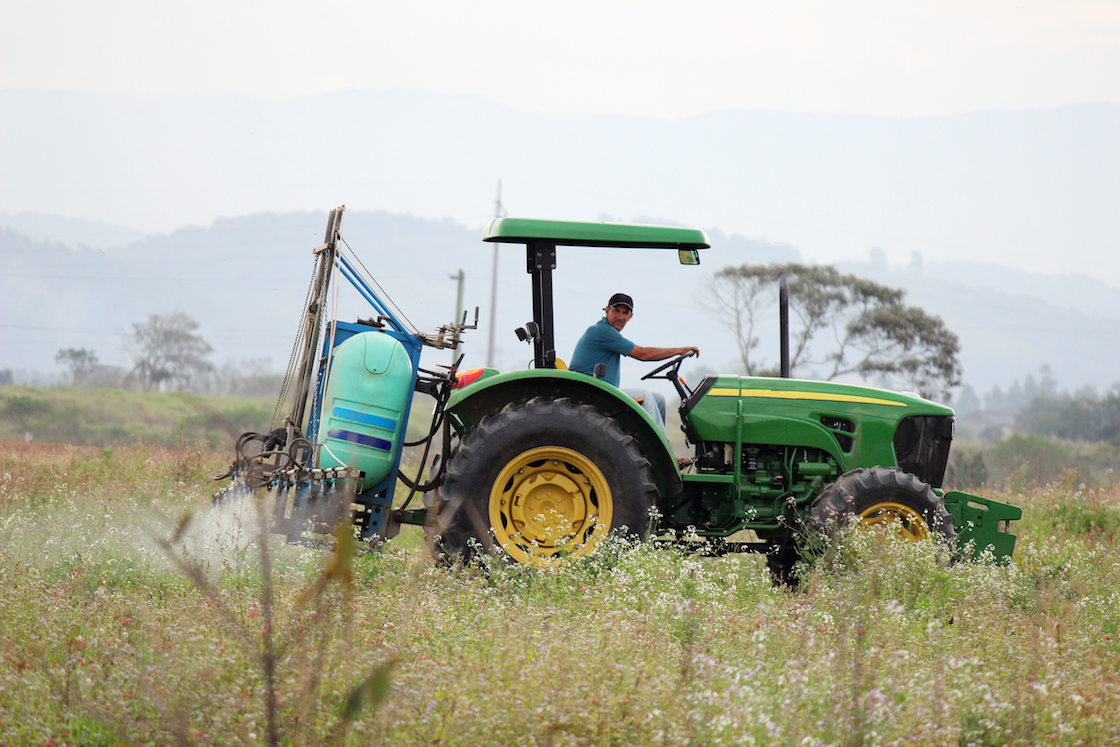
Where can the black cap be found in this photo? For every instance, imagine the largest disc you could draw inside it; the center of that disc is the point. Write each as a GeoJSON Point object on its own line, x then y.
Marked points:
{"type": "Point", "coordinates": [621, 299]}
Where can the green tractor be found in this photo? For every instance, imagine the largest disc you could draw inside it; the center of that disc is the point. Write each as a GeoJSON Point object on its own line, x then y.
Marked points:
{"type": "Point", "coordinates": [541, 465]}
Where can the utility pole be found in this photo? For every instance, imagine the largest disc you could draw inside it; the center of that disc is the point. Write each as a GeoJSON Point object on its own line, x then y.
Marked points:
{"type": "Point", "coordinates": [499, 212]}
{"type": "Point", "coordinates": [460, 277]}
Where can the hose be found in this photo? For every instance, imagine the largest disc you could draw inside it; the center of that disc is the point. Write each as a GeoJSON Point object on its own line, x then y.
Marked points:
{"type": "Point", "coordinates": [439, 418]}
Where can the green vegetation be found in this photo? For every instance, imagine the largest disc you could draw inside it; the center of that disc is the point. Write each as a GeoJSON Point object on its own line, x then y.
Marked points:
{"type": "Point", "coordinates": [1037, 434]}
{"type": "Point", "coordinates": [1079, 417]}
{"type": "Point", "coordinates": [108, 639]}
{"type": "Point", "coordinates": [1021, 460]}
{"type": "Point", "coordinates": [109, 417]}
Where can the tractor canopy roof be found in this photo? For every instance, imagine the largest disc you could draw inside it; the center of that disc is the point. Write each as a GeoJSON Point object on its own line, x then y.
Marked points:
{"type": "Point", "coordinates": [541, 237]}
{"type": "Point", "coordinates": [576, 233]}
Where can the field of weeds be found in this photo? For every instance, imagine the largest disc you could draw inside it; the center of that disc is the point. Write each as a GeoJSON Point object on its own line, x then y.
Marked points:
{"type": "Point", "coordinates": [122, 624]}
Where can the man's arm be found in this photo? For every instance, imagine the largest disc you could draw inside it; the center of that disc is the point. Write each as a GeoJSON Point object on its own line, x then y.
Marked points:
{"type": "Point", "coordinates": [659, 354]}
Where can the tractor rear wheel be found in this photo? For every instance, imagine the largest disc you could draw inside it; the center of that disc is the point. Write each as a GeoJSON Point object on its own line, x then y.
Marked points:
{"type": "Point", "coordinates": [540, 481]}
{"type": "Point", "coordinates": [882, 498]}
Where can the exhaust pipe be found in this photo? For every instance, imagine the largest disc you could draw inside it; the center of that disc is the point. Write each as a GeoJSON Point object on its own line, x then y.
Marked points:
{"type": "Point", "coordinates": [783, 317]}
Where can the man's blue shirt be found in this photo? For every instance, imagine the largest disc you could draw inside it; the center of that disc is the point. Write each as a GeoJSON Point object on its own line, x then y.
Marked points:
{"type": "Point", "coordinates": [601, 343]}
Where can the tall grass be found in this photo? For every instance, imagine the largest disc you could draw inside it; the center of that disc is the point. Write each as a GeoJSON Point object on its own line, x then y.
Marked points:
{"type": "Point", "coordinates": [105, 640]}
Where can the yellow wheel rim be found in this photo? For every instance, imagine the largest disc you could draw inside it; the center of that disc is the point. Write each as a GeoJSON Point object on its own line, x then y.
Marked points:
{"type": "Point", "coordinates": [911, 525]}
{"type": "Point", "coordinates": [549, 503]}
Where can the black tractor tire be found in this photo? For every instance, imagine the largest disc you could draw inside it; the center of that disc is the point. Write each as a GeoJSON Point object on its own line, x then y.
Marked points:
{"type": "Point", "coordinates": [877, 496]}
{"type": "Point", "coordinates": [782, 563]}
{"type": "Point", "coordinates": [539, 481]}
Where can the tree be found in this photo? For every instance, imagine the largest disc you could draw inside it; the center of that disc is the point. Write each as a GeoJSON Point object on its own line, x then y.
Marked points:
{"type": "Point", "coordinates": [1083, 416]}
{"type": "Point", "coordinates": [966, 469]}
{"type": "Point", "coordinates": [870, 331]}
{"type": "Point", "coordinates": [80, 362]}
{"type": "Point", "coordinates": [167, 351]}
{"type": "Point", "coordinates": [993, 400]}
{"type": "Point", "coordinates": [967, 402]}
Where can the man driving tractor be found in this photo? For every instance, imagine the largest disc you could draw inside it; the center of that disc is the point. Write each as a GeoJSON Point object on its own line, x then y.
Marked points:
{"type": "Point", "coordinates": [603, 343]}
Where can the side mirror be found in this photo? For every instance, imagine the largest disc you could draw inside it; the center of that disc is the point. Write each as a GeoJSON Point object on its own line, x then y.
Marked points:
{"type": "Point", "coordinates": [600, 370]}
{"type": "Point", "coordinates": [521, 334]}
{"type": "Point", "coordinates": [689, 256]}
{"type": "Point", "coordinates": [533, 329]}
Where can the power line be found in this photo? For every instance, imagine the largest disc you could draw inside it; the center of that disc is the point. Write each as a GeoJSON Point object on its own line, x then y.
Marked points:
{"type": "Point", "coordinates": [60, 329]}
{"type": "Point", "coordinates": [117, 333]}
{"type": "Point", "coordinates": [133, 278]}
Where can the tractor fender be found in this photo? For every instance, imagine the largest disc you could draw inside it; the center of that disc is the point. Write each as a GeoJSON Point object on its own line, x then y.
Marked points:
{"type": "Point", "coordinates": [489, 394]}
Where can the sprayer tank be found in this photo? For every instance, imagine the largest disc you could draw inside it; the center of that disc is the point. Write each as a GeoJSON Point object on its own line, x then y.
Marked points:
{"type": "Point", "coordinates": [365, 405]}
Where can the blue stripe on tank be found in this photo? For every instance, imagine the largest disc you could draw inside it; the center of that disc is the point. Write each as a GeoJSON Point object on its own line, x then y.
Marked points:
{"type": "Point", "coordinates": [362, 417]}
{"type": "Point", "coordinates": [360, 438]}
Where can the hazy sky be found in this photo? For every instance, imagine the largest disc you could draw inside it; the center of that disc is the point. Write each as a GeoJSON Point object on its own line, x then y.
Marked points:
{"type": "Point", "coordinates": [648, 58]}
{"type": "Point", "coordinates": [666, 59]}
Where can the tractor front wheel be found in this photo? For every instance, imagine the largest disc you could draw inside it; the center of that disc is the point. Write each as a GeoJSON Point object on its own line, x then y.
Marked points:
{"type": "Point", "coordinates": [882, 498]}
{"type": "Point", "coordinates": [540, 481]}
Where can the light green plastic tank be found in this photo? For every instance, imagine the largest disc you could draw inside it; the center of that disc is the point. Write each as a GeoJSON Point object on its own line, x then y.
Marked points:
{"type": "Point", "coordinates": [364, 405]}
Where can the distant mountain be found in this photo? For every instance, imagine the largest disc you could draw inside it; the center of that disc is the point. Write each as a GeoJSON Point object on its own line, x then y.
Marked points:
{"type": "Point", "coordinates": [1036, 190]}
{"type": "Point", "coordinates": [72, 232]}
{"type": "Point", "coordinates": [245, 280]}
{"type": "Point", "coordinates": [1080, 289]}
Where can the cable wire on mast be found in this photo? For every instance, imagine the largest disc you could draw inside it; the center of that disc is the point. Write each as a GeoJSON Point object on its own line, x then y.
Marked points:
{"type": "Point", "coordinates": [499, 212]}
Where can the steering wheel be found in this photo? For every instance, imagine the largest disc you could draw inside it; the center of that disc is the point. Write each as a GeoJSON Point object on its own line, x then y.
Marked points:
{"type": "Point", "coordinates": [672, 368]}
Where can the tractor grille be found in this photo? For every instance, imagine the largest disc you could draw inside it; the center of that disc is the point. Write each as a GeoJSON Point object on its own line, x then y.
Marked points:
{"type": "Point", "coordinates": [921, 445]}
